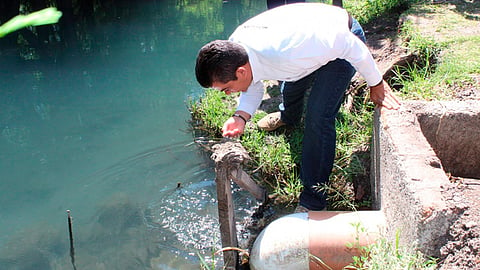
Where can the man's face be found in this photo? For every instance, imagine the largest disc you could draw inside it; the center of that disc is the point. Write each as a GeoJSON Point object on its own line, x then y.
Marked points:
{"type": "Point", "coordinates": [241, 84]}
{"type": "Point", "coordinates": [232, 86]}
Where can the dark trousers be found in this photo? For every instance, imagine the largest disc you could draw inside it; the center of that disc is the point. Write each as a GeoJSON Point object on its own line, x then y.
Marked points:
{"type": "Point", "coordinates": [328, 85]}
{"type": "Point", "coordinates": [275, 3]}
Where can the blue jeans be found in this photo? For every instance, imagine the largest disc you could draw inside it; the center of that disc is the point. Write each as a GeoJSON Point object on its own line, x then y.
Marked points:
{"type": "Point", "coordinates": [328, 85]}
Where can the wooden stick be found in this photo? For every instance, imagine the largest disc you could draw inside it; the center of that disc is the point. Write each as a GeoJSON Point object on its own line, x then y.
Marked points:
{"type": "Point", "coordinates": [70, 233]}
{"type": "Point", "coordinates": [229, 157]}
{"type": "Point", "coordinates": [242, 179]}
{"type": "Point", "coordinates": [226, 217]}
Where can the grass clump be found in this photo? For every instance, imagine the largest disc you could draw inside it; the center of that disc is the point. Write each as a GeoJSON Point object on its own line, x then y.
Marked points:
{"type": "Point", "coordinates": [385, 254]}
{"type": "Point", "coordinates": [446, 42]}
{"type": "Point", "coordinates": [276, 156]}
{"type": "Point", "coordinates": [209, 112]}
{"type": "Point", "coordinates": [367, 11]}
{"type": "Point", "coordinates": [416, 80]}
{"type": "Point", "coordinates": [351, 167]}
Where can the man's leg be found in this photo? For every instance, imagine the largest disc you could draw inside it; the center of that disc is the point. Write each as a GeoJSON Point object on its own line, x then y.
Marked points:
{"type": "Point", "coordinates": [293, 95]}
{"type": "Point", "coordinates": [291, 112]}
{"type": "Point", "coordinates": [318, 152]}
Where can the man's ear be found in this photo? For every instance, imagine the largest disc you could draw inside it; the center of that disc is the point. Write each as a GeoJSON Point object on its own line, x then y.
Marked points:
{"type": "Point", "coordinates": [242, 71]}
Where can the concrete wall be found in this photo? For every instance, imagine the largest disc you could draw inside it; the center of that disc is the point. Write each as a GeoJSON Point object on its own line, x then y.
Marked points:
{"type": "Point", "coordinates": [409, 183]}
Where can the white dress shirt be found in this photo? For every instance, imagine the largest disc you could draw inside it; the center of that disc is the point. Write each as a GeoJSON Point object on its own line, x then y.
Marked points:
{"type": "Point", "coordinates": [292, 41]}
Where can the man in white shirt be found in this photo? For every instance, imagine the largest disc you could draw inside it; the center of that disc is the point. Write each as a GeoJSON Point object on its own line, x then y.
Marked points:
{"type": "Point", "coordinates": [305, 45]}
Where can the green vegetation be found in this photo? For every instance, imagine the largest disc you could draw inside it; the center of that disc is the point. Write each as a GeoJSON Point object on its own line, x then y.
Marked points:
{"type": "Point", "coordinates": [210, 112]}
{"type": "Point", "coordinates": [277, 156]}
{"type": "Point", "coordinates": [352, 160]}
{"type": "Point", "coordinates": [447, 49]}
{"type": "Point", "coordinates": [367, 11]}
{"type": "Point", "coordinates": [387, 255]}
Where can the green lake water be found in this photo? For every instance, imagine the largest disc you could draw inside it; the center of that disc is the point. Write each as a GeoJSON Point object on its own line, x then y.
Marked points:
{"type": "Point", "coordinates": [97, 123]}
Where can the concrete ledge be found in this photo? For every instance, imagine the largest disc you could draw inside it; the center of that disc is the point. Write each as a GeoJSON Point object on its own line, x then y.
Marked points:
{"type": "Point", "coordinates": [409, 180]}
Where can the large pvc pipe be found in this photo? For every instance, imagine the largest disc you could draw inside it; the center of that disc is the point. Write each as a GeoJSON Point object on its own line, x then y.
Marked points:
{"type": "Point", "coordinates": [315, 240]}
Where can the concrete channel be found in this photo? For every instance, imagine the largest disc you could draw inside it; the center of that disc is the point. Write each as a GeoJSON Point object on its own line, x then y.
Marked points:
{"type": "Point", "coordinates": [416, 152]}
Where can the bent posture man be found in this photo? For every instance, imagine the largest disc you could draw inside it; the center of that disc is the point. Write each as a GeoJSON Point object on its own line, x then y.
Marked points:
{"type": "Point", "coordinates": [306, 45]}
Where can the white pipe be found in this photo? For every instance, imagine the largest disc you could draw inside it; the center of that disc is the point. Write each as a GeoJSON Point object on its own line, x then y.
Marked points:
{"type": "Point", "coordinates": [315, 240]}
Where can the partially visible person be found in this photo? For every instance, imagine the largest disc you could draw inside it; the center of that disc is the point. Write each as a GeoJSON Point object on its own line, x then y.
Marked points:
{"type": "Point", "coordinates": [307, 45]}
{"type": "Point", "coordinates": [276, 3]}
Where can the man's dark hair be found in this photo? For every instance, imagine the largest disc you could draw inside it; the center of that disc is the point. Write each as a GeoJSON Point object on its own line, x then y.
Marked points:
{"type": "Point", "coordinates": [218, 61]}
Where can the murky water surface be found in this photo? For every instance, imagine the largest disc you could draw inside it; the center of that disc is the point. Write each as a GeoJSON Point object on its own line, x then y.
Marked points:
{"type": "Point", "coordinates": [99, 127]}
